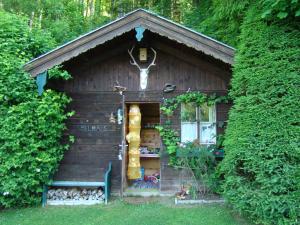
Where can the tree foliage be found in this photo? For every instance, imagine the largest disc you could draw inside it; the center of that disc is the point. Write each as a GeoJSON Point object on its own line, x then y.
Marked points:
{"type": "Point", "coordinates": [31, 126]}
{"type": "Point", "coordinates": [67, 19]}
{"type": "Point", "coordinates": [280, 9]}
{"type": "Point", "coordinates": [262, 161]}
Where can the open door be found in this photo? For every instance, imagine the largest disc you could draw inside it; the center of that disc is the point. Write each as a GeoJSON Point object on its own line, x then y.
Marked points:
{"type": "Point", "coordinates": [123, 147]}
{"type": "Point", "coordinates": [150, 146]}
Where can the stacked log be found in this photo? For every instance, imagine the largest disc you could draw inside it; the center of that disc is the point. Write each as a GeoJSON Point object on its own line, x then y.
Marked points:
{"type": "Point", "coordinates": [77, 194]}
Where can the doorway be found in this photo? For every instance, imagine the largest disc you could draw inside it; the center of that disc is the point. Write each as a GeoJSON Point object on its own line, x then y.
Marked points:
{"type": "Point", "coordinates": [149, 150]}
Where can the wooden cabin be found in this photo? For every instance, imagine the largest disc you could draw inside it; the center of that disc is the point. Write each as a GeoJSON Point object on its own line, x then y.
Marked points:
{"type": "Point", "coordinates": [99, 62]}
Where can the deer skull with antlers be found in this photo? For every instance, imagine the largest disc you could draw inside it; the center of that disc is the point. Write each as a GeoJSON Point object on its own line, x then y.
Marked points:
{"type": "Point", "coordinates": [143, 71]}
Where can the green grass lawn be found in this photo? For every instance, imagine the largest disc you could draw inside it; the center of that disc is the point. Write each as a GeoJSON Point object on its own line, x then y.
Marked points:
{"type": "Point", "coordinates": [118, 212]}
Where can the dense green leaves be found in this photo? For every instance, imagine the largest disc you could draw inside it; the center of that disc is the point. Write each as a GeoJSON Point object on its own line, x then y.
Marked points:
{"type": "Point", "coordinates": [223, 20]}
{"type": "Point", "coordinates": [262, 161]}
{"type": "Point", "coordinates": [280, 9]}
{"type": "Point", "coordinates": [64, 19]}
{"type": "Point", "coordinates": [29, 147]}
{"type": "Point", "coordinates": [31, 126]}
{"type": "Point", "coordinates": [17, 45]}
{"type": "Point", "coordinates": [170, 139]}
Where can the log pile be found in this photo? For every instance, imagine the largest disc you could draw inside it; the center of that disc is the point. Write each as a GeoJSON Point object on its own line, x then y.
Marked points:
{"type": "Point", "coordinates": [77, 194]}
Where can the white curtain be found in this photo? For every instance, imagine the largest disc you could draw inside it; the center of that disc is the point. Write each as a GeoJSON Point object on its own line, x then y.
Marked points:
{"type": "Point", "coordinates": [188, 131]}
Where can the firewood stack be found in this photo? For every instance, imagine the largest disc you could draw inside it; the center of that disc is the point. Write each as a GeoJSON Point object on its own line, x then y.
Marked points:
{"type": "Point", "coordinates": [84, 194]}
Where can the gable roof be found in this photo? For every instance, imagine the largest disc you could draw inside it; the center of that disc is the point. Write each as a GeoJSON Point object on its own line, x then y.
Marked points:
{"type": "Point", "coordinates": [139, 17]}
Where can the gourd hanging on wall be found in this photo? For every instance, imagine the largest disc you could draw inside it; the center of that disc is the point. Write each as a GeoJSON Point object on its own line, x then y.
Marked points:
{"type": "Point", "coordinates": [134, 140]}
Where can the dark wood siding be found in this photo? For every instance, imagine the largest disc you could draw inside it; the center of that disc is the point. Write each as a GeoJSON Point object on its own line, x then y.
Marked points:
{"type": "Point", "coordinates": [94, 75]}
{"type": "Point", "coordinates": [96, 140]}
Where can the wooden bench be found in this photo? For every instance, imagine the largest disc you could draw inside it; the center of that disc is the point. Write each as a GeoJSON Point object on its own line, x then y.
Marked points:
{"type": "Point", "coordinates": [105, 183]}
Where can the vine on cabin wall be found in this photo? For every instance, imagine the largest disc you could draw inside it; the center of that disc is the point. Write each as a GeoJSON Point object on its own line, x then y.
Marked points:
{"type": "Point", "coordinates": [170, 137]}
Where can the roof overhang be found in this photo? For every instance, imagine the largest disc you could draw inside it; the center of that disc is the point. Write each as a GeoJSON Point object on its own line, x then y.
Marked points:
{"type": "Point", "coordinates": [139, 17]}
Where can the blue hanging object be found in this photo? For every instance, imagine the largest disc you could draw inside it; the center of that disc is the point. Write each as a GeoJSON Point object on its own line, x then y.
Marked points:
{"type": "Point", "coordinates": [139, 32]}
{"type": "Point", "coordinates": [41, 81]}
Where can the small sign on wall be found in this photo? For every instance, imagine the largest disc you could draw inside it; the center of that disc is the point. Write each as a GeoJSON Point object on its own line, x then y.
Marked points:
{"type": "Point", "coordinates": [143, 54]}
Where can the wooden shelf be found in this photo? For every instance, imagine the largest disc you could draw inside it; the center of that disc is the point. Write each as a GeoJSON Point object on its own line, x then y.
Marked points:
{"type": "Point", "coordinates": [145, 144]}
{"type": "Point", "coordinates": [149, 156]}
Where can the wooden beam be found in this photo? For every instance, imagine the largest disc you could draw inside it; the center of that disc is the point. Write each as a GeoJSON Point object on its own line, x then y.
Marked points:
{"type": "Point", "coordinates": [116, 28]}
{"type": "Point", "coordinates": [77, 184]}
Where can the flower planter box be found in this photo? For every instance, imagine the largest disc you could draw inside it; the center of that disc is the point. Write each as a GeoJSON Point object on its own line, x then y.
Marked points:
{"type": "Point", "coordinates": [199, 201]}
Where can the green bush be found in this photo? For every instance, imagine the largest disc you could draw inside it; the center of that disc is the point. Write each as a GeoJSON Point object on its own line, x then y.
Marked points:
{"type": "Point", "coordinates": [262, 164]}
{"type": "Point", "coordinates": [201, 161]}
{"type": "Point", "coordinates": [31, 126]}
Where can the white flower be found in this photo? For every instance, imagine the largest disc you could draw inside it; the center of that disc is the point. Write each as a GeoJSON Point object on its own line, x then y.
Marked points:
{"type": "Point", "coordinates": [182, 145]}
{"type": "Point", "coordinates": [6, 193]}
{"type": "Point", "coordinates": [38, 170]}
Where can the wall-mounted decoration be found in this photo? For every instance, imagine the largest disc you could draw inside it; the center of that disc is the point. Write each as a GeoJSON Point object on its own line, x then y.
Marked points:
{"type": "Point", "coordinates": [169, 88]}
{"type": "Point", "coordinates": [94, 128]}
{"type": "Point", "coordinates": [143, 54]}
{"type": "Point", "coordinates": [119, 88]}
{"type": "Point", "coordinates": [112, 118]}
{"type": "Point", "coordinates": [143, 71]}
{"type": "Point", "coordinates": [139, 33]}
{"type": "Point", "coordinates": [120, 116]}
{"type": "Point", "coordinates": [41, 81]}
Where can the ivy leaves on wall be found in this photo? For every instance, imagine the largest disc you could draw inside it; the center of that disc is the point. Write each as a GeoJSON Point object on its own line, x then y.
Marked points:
{"type": "Point", "coordinates": [198, 98]}
{"type": "Point", "coordinates": [170, 137]}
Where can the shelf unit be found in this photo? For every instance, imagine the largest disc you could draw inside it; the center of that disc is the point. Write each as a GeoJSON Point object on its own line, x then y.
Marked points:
{"type": "Point", "coordinates": [149, 156]}
{"type": "Point", "coordinates": [150, 138]}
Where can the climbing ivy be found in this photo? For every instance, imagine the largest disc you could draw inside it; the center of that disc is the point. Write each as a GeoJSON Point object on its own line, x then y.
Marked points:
{"type": "Point", "coordinates": [58, 73]}
{"type": "Point", "coordinates": [196, 97]}
{"type": "Point", "coordinates": [170, 137]}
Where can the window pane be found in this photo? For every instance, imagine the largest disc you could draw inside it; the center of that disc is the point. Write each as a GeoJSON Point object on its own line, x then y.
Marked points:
{"type": "Point", "coordinates": [188, 112]}
{"type": "Point", "coordinates": [204, 113]}
{"type": "Point", "coordinates": [207, 124]}
{"type": "Point", "coordinates": [188, 131]}
{"type": "Point", "coordinates": [207, 133]}
{"type": "Point", "coordinates": [207, 113]}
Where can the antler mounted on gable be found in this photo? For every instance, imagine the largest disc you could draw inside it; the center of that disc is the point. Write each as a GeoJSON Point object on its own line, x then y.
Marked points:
{"type": "Point", "coordinates": [143, 71]}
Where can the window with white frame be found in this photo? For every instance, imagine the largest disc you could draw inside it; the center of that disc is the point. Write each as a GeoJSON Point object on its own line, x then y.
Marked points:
{"type": "Point", "coordinates": [198, 123]}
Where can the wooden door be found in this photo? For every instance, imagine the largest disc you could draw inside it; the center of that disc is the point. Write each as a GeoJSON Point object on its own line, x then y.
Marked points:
{"type": "Point", "coordinates": [123, 147]}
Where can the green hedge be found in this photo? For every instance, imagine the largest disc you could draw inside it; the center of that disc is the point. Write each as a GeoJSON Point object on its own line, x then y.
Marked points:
{"type": "Point", "coordinates": [262, 163]}
{"type": "Point", "coordinates": [31, 126]}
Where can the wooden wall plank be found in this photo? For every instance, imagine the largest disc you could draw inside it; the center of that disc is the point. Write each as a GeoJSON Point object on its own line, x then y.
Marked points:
{"type": "Point", "coordinates": [94, 75]}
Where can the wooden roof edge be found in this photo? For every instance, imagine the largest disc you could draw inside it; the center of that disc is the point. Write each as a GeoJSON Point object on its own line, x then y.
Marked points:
{"type": "Point", "coordinates": [215, 48]}
{"type": "Point", "coordinates": [187, 28]}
